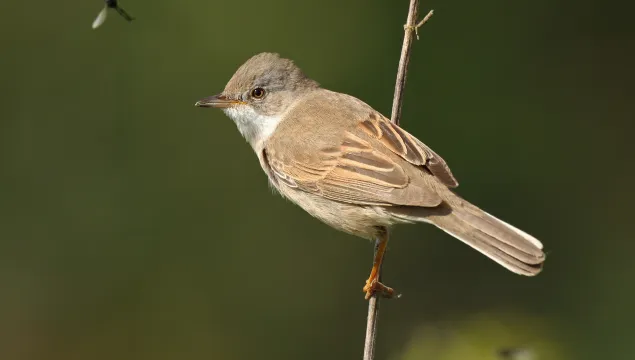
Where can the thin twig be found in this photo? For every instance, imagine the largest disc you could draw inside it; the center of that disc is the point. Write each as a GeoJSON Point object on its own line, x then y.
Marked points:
{"type": "Point", "coordinates": [420, 23]}
{"type": "Point", "coordinates": [371, 320]}
{"type": "Point", "coordinates": [411, 28]}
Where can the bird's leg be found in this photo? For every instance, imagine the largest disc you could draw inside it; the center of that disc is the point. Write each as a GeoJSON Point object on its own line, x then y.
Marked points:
{"type": "Point", "coordinates": [372, 284]}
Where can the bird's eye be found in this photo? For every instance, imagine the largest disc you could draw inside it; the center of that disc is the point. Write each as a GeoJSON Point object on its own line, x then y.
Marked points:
{"type": "Point", "coordinates": [258, 93]}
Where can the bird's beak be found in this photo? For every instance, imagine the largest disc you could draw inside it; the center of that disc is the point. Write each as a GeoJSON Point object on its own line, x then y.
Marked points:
{"type": "Point", "coordinates": [219, 101]}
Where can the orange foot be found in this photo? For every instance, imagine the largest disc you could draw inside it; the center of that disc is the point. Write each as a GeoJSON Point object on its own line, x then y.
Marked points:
{"type": "Point", "coordinates": [373, 286]}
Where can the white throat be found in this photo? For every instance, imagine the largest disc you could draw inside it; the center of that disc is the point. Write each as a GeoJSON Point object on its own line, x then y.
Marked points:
{"type": "Point", "coordinates": [254, 127]}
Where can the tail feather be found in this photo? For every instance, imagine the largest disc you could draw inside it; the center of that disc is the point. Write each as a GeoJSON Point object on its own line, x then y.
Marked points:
{"type": "Point", "coordinates": [490, 247]}
{"type": "Point", "coordinates": [499, 230]}
{"type": "Point", "coordinates": [512, 248]}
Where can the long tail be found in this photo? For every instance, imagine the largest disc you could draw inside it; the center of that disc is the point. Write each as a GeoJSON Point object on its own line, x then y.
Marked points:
{"type": "Point", "coordinates": [511, 247]}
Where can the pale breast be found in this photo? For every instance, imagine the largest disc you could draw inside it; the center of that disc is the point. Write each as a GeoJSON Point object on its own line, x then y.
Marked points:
{"type": "Point", "coordinates": [363, 221]}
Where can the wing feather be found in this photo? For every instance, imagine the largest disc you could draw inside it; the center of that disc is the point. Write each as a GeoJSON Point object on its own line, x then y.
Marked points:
{"type": "Point", "coordinates": [361, 158]}
{"type": "Point", "coordinates": [356, 174]}
{"type": "Point", "coordinates": [408, 147]}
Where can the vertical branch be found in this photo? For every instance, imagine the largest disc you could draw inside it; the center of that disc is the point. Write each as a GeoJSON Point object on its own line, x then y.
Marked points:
{"type": "Point", "coordinates": [400, 84]}
{"type": "Point", "coordinates": [410, 30]}
{"type": "Point", "coordinates": [371, 320]}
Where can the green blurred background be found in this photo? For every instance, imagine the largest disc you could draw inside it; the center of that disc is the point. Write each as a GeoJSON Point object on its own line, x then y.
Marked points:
{"type": "Point", "coordinates": [136, 226]}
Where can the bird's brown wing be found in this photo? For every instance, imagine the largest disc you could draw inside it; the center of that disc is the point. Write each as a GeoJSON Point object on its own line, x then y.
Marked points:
{"type": "Point", "coordinates": [408, 147]}
{"type": "Point", "coordinates": [372, 162]}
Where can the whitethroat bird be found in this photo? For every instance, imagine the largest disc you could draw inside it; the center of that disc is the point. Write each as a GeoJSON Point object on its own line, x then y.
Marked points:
{"type": "Point", "coordinates": [349, 166]}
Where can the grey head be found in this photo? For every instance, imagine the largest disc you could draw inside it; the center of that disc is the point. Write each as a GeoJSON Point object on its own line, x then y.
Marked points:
{"type": "Point", "coordinates": [259, 94]}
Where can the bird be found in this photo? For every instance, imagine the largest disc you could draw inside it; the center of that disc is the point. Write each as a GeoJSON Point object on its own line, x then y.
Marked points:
{"type": "Point", "coordinates": [110, 4]}
{"type": "Point", "coordinates": [349, 166]}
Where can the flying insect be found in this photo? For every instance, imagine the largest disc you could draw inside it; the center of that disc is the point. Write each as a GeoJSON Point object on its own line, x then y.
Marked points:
{"type": "Point", "coordinates": [110, 4]}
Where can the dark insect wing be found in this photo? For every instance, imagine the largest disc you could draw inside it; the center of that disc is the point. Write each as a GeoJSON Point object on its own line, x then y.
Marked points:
{"type": "Point", "coordinates": [123, 13]}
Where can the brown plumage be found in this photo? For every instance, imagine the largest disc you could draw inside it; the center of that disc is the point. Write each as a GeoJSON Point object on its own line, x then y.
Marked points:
{"type": "Point", "coordinates": [349, 166]}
